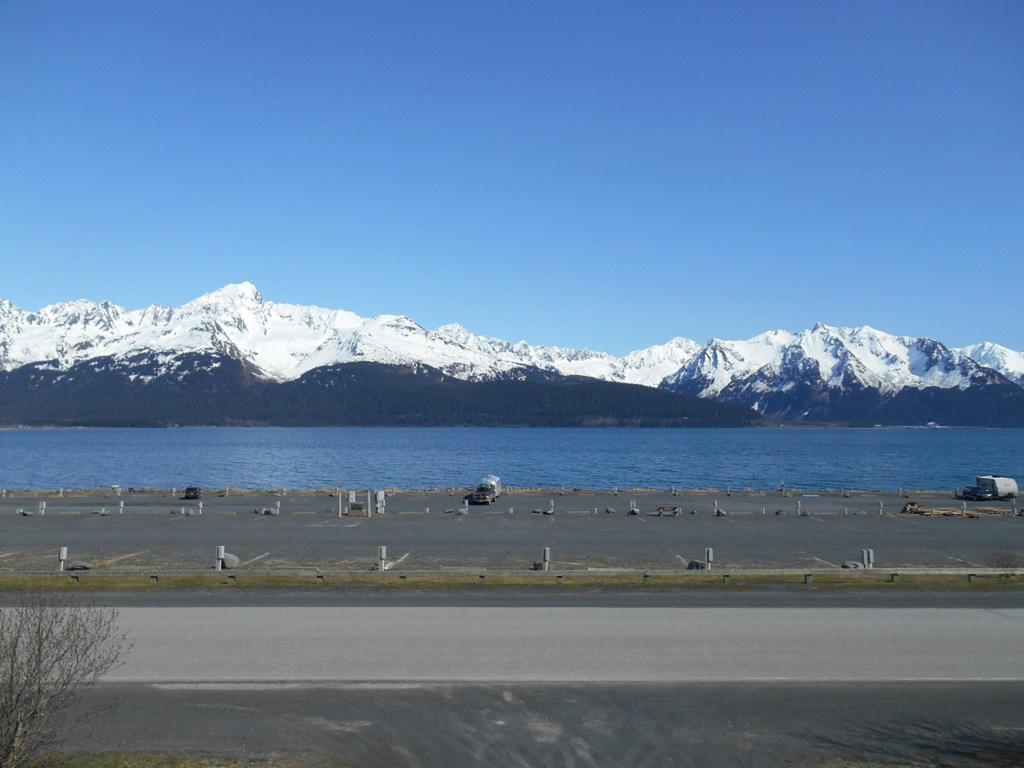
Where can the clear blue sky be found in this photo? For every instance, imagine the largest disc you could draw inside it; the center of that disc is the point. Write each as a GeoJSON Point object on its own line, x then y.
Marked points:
{"type": "Point", "coordinates": [602, 174]}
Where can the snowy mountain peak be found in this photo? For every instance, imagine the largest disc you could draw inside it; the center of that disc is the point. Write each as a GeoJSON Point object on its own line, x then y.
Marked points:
{"type": "Point", "coordinates": [284, 341]}
{"type": "Point", "coordinates": [1008, 362]}
{"type": "Point", "coordinates": [233, 294]}
{"type": "Point", "coordinates": [825, 359]}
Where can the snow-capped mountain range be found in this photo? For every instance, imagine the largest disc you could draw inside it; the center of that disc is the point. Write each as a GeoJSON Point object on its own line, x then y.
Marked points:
{"type": "Point", "coordinates": [284, 341]}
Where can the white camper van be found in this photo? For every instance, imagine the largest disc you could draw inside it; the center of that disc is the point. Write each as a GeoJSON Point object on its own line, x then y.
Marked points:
{"type": "Point", "coordinates": [987, 487]}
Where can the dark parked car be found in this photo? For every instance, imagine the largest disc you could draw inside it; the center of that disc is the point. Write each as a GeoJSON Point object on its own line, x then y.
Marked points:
{"type": "Point", "coordinates": [192, 492]}
{"type": "Point", "coordinates": [976, 493]}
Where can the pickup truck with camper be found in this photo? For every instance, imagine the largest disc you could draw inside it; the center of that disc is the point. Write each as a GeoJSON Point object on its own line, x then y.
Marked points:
{"type": "Point", "coordinates": [487, 491]}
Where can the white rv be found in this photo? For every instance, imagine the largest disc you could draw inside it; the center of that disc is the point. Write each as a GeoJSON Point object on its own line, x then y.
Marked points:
{"type": "Point", "coordinates": [988, 487]}
{"type": "Point", "coordinates": [999, 487]}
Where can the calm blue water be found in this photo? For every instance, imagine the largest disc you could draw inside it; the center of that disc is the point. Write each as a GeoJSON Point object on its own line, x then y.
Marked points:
{"type": "Point", "coordinates": [442, 457]}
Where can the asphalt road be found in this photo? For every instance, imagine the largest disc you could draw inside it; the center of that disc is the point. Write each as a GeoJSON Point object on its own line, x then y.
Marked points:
{"type": "Point", "coordinates": [205, 645]}
{"type": "Point", "coordinates": [597, 683]}
{"type": "Point", "coordinates": [308, 532]}
{"type": "Point", "coordinates": [628, 725]}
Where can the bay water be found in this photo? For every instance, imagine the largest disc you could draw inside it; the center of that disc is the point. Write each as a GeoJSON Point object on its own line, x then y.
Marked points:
{"type": "Point", "coordinates": [385, 457]}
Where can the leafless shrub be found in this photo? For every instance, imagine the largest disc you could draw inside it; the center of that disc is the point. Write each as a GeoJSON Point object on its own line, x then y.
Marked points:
{"type": "Point", "coordinates": [50, 648]}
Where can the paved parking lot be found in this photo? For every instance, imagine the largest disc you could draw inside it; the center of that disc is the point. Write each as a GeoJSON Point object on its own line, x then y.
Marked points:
{"type": "Point", "coordinates": [152, 532]}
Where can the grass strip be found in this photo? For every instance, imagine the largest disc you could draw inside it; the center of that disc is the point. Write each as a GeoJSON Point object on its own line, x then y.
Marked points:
{"type": "Point", "coordinates": [570, 580]}
{"type": "Point", "coordinates": [151, 760]}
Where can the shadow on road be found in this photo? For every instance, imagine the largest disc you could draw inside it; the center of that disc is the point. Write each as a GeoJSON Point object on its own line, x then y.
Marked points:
{"type": "Point", "coordinates": [934, 744]}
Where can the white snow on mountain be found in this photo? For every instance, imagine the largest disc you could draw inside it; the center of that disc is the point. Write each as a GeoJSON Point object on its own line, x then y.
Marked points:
{"type": "Point", "coordinates": [831, 357]}
{"type": "Point", "coordinates": [652, 365]}
{"type": "Point", "coordinates": [718, 363]}
{"type": "Point", "coordinates": [283, 341]}
{"type": "Point", "coordinates": [1008, 362]}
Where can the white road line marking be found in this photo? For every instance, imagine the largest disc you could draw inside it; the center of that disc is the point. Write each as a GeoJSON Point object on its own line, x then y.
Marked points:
{"type": "Point", "coordinates": [258, 557]}
{"type": "Point", "coordinates": [288, 686]}
{"type": "Point", "coordinates": [352, 525]}
{"type": "Point", "coordinates": [818, 559]}
{"type": "Point", "coordinates": [335, 684]}
{"type": "Point", "coordinates": [124, 557]}
{"type": "Point", "coordinates": [393, 563]}
{"type": "Point", "coordinates": [9, 554]}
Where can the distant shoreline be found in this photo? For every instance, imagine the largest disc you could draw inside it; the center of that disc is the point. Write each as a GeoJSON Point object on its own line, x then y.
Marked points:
{"type": "Point", "coordinates": [581, 427]}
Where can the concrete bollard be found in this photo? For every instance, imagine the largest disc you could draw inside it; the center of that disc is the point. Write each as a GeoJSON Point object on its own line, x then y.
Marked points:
{"type": "Point", "coordinates": [881, 508]}
{"type": "Point", "coordinates": [278, 507]}
{"type": "Point", "coordinates": [427, 510]}
{"type": "Point", "coordinates": [383, 557]}
{"type": "Point", "coordinates": [798, 513]}
{"type": "Point", "coordinates": [120, 507]}
{"type": "Point", "coordinates": [1013, 506]}
{"type": "Point", "coordinates": [199, 503]}
{"type": "Point", "coordinates": [42, 507]}
{"type": "Point", "coordinates": [62, 555]}
{"type": "Point", "coordinates": [709, 557]}
{"type": "Point", "coordinates": [219, 564]}
{"type": "Point", "coordinates": [511, 510]}
{"type": "Point", "coordinates": [61, 494]}
{"type": "Point", "coordinates": [546, 559]}
{"type": "Point", "coordinates": [762, 511]}
{"type": "Point", "coordinates": [963, 507]}
{"type": "Point", "coordinates": [337, 492]}
{"type": "Point", "coordinates": [846, 511]}
{"type": "Point", "coordinates": [716, 507]}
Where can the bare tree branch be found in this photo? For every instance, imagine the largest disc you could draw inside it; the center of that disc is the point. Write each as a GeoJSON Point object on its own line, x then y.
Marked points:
{"type": "Point", "coordinates": [50, 648]}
